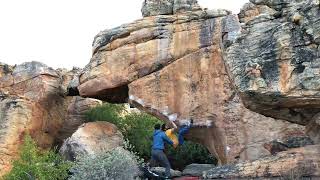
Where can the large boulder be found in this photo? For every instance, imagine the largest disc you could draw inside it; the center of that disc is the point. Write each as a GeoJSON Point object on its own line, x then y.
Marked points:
{"type": "Point", "coordinates": [31, 102]}
{"type": "Point", "coordinates": [172, 67]}
{"type": "Point", "coordinates": [274, 63]}
{"type": "Point", "coordinates": [292, 164]}
{"type": "Point", "coordinates": [131, 51]}
{"type": "Point", "coordinates": [91, 139]}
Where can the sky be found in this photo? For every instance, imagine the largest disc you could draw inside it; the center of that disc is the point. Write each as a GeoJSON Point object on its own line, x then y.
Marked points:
{"type": "Point", "coordinates": [59, 33]}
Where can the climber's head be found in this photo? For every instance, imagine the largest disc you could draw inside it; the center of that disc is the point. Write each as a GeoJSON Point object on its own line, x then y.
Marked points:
{"type": "Point", "coordinates": [157, 127]}
{"type": "Point", "coordinates": [164, 127]}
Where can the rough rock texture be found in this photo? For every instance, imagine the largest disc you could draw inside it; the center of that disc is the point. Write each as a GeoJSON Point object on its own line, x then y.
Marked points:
{"type": "Point", "coordinates": [31, 101]}
{"type": "Point", "coordinates": [249, 11]}
{"type": "Point", "coordinates": [313, 129]}
{"type": "Point", "coordinates": [131, 51]}
{"type": "Point", "coordinates": [75, 116]}
{"type": "Point", "coordinates": [90, 139]}
{"type": "Point", "coordinates": [168, 7]}
{"type": "Point", "coordinates": [196, 169]}
{"type": "Point", "coordinates": [161, 171]}
{"type": "Point", "coordinates": [292, 164]}
{"type": "Point", "coordinates": [172, 67]}
{"type": "Point", "coordinates": [230, 131]}
{"type": "Point", "coordinates": [278, 145]}
{"type": "Point", "coordinates": [274, 63]}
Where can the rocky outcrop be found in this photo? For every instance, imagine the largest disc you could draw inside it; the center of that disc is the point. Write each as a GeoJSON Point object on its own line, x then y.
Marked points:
{"type": "Point", "coordinates": [292, 164]}
{"type": "Point", "coordinates": [31, 101]}
{"type": "Point", "coordinates": [172, 67]}
{"type": "Point", "coordinates": [91, 139]}
{"type": "Point", "coordinates": [274, 62]}
{"type": "Point", "coordinates": [131, 51]}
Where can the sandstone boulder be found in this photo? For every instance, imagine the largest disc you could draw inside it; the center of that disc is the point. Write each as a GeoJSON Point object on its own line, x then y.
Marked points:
{"type": "Point", "coordinates": [91, 139]}
{"type": "Point", "coordinates": [131, 51]}
{"type": "Point", "coordinates": [196, 169]}
{"type": "Point", "coordinates": [292, 164]}
{"type": "Point", "coordinates": [274, 62]}
{"type": "Point", "coordinates": [172, 66]}
{"type": "Point", "coordinates": [31, 102]}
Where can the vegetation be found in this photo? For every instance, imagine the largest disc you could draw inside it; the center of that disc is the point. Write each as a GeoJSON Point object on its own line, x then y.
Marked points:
{"type": "Point", "coordinates": [116, 164]}
{"type": "Point", "coordinates": [36, 164]}
{"type": "Point", "coordinates": [188, 153]}
{"type": "Point", "coordinates": [137, 128]}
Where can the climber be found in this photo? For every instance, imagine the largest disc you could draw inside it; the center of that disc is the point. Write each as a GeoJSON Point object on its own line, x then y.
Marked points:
{"type": "Point", "coordinates": [170, 132]}
{"type": "Point", "coordinates": [157, 154]}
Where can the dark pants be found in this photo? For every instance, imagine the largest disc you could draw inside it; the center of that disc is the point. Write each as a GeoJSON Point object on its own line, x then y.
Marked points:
{"type": "Point", "coordinates": [160, 156]}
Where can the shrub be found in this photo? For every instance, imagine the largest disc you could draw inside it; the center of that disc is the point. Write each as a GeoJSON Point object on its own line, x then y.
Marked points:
{"type": "Point", "coordinates": [189, 153]}
{"type": "Point", "coordinates": [107, 112]}
{"type": "Point", "coordinates": [116, 164]}
{"type": "Point", "coordinates": [36, 164]}
{"type": "Point", "coordinates": [138, 130]}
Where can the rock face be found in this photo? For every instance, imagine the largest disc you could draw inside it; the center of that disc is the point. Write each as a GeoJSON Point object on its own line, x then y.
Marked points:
{"type": "Point", "coordinates": [274, 63]}
{"type": "Point", "coordinates": [32, 102]}
{"type": "Point", "coordinates": [172, 67]}
{"type": "Point", "coordinates": [75, 116]}
{"type": "Point", "coordinates": [292, 164]}
{"type": "Point", "coordinates": [90, 139]}
{"type": "Point", "coordinates": [131, 51]}
{"type": "Point", "coordinates": [168, 7]}
{"type": "Point", "coordinates": [313, 129]}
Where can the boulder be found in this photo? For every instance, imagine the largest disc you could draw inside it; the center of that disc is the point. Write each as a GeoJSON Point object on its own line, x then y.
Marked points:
{"type": "Point", "coordinates": [292, 164]}
{"type": "Point", "coordinates": [161, 171]}
{"type": "Point", "coordinates": [274, 62]}
{"type": "Point", "coordinates": [91, 139]}
{"type": "Point", "coordinates": [31, 102]}
{"type": "Point", "coordinates": [196, 169]}
{"type": "Point", "coordinates": [131, 51]}
{"type": "Point", "coordinates": [173, 67]}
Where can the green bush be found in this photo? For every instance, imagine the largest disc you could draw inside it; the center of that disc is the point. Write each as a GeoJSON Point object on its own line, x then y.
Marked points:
{"type": "Point", "coordinates": [107, 112]}
{"type": "Point", "coordinates": [189, 153]}
{"type": "Point", "coordinates": [116, 164]}
{"type": "Point", "coordinates": [36, 164]}
{"type": "Point", "coordinates": [138, 131]}
{"type": "Point", "coordinates": [138, 128]}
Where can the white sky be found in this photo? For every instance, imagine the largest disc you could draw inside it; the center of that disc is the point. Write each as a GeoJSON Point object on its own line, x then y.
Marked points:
{"type": "Point", "coordinates": [59, 33]}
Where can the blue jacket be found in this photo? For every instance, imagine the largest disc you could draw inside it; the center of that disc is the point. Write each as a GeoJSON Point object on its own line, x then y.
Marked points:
{"type": "Point", "coordinates": [159, 137]}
